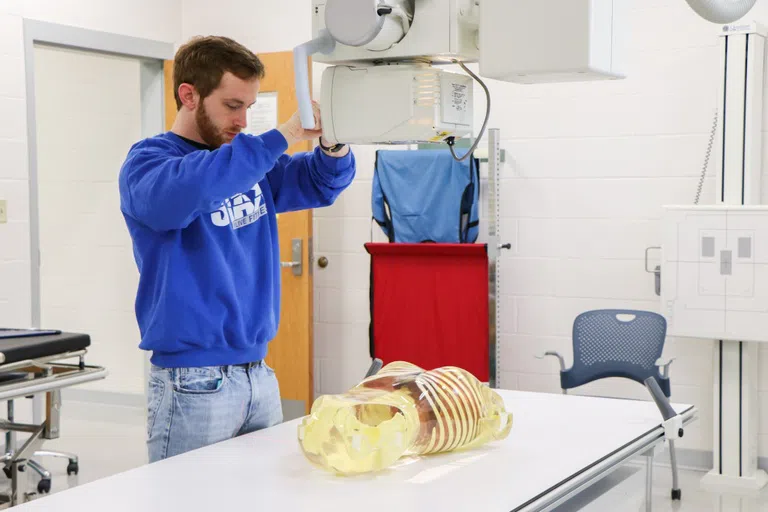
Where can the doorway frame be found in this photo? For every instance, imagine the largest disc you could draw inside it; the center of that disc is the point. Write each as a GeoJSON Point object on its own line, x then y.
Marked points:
{"type": "Point", "coordinates": [151, 55]}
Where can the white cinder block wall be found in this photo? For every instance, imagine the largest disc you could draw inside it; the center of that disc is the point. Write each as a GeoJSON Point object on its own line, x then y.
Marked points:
{"type": "Point", "coordinates": [589, 168]}
{"type": "Point", "coordinates": [15, 295]}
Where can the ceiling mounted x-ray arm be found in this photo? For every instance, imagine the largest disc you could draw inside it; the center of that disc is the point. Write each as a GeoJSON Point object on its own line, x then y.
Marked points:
{"type": "Point", "coordinates": [324, 43]}
{"type": "Point", "coordinates": [721, 11]}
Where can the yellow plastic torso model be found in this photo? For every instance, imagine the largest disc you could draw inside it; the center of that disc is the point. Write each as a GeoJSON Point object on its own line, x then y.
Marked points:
{"type": "Point", "coordinates": [402, 410]}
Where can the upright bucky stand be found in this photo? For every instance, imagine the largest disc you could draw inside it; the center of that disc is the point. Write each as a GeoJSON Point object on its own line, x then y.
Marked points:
{"type": "Point", "coordinates": [738, 170]}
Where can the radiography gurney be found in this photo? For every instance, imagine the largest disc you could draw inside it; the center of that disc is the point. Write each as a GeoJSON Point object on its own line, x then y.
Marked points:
{"type": "Point", "coordinates": [559, 445]}
{"type": "Point", "coordinates": [29, 365]}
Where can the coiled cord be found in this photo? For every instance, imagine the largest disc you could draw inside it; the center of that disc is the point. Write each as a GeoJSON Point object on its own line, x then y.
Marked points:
{"type": "Point", "coordinates": [706, 158]}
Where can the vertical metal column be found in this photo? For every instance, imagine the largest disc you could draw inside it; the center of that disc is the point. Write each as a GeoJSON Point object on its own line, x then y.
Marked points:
{"type": "Point", "coordinates": [738, 178]}
{"type": "Point", "coordinates": [649, 481]}
{"type": "Point", "coordinates": [494, 162]}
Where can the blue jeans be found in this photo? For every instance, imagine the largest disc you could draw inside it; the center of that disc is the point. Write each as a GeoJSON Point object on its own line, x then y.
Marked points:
{"type": "Point", "coordinates": [189, 408]}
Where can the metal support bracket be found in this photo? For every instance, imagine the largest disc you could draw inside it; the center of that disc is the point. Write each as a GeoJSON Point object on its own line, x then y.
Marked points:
{"type": "Point", "coordinates": [53, 414]}
{"type": "Point", "coordinates": [296, 257]}
{"type": "Point", "coordinates": [20, 457]}
{"type": "Point", "coordinates": [656, 271]}
{"type": "Point", "coordinates": [494, 157]}
{"type": "Point", "coordinates": [483, 155]}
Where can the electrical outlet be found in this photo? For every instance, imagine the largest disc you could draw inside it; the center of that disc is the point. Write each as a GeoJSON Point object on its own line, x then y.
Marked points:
{"type": "Point", "coordinates": [3, 211]}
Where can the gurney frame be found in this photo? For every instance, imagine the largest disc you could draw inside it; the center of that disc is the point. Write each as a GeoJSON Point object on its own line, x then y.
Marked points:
{"type": "Point", "coordinates": [29, 377]}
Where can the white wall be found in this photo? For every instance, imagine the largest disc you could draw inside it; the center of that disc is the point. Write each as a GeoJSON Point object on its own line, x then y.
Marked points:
{"type": "Point", "coordinates": [15, 295]}
{"type": "Point", "coordinates": [591, 166]}
{"type": "Point", "coordinates": [262, 26]}
{"type": "Point", "coordinates": [142, 18]}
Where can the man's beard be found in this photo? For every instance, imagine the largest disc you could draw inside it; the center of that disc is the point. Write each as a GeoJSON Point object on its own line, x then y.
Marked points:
{"type": "Point", "coordinates": [208, 131]}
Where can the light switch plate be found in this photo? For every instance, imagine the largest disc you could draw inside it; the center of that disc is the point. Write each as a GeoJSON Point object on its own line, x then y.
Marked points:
{"type": "Point", "coordinates": [3, 211]}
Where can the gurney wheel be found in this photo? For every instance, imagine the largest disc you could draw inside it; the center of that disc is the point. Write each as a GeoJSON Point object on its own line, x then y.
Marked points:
{"type": "Point", "coordinates": [44, 486]}
{"type": "Point", "coordinates": [73, 468]}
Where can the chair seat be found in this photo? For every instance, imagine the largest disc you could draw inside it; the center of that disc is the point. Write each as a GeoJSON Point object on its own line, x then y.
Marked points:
{"type": "Point", "coordinates": [617, 343]}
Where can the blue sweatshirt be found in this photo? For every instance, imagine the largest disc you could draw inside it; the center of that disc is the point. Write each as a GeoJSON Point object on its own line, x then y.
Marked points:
{"type": "Point", "coordinates": [205, 240]}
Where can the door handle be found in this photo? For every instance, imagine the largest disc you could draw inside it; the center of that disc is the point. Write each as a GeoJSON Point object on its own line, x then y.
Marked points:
{"type": "Point", "coordinates": [296, 256]}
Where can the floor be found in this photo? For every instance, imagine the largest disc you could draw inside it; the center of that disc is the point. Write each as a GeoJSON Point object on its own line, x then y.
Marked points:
{"type": "Point", "coordinates": [106, 439]}
{"type": "Point", "coordinates": [624, 490]}
{"type": "Point", "coordinates": [110, 440]}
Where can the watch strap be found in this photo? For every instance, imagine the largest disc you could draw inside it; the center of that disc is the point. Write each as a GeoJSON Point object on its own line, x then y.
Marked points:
{"type": "Point", "coordinates": [333, 149]}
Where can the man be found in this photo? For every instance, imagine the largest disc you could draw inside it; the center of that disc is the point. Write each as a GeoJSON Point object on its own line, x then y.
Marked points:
{"type": "Point", "coordinates": [200, 204]}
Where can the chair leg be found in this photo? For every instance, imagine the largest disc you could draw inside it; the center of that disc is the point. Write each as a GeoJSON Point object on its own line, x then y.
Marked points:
{"type": "Point", "coordinates": [39, 469]}
{"type": "Point", "coordinates": [10, 443]}
{"type": "Point", "coordinates": [649, 482]}
{"type": "Point", "coordinates": [676, 493]}
{"type": "Point", "coordinates": [10, 436]}
{"type": "Point", "coordinates": [72, 468]}
{"type": "Point", "coordinates": [44, 485]}
{"type": "Point", "coordinates": [5, 459]}
{"type": "Point", "coordinates": [62, 455]}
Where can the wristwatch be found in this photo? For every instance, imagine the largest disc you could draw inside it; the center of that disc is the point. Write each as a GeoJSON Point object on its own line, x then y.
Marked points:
{"type": "Point", "coordinates": [332, 149]}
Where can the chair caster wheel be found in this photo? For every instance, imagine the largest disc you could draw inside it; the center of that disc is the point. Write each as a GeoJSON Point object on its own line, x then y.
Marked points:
{"type": "Point", "coordinates": [73, 467]}
{"type": "Point", "coordinates": [44, 486]}
{"type": "Point", "coordinates": [676, 494]}
{"type": "Point", "coordinates": [9, 472]}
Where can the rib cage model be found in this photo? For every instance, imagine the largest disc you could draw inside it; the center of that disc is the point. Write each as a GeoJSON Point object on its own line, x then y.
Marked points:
{"type": "Point", "coordinates": [402, 410]}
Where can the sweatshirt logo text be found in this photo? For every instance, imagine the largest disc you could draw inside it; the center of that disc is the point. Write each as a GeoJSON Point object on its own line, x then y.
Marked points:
{"type": "Point", "coordinates": [241, 209]}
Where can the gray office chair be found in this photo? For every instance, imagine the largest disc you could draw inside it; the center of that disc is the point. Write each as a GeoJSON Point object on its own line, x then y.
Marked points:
{"type": "Point", "coordinates": [620, 343]}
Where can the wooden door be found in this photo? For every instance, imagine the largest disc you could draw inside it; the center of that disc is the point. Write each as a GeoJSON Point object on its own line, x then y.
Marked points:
{"type": "Point", "coordinates": [290, 353]}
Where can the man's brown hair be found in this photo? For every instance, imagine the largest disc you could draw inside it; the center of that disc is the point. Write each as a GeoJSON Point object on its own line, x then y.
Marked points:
{"type": "Point", "coordinates": [202, 61]}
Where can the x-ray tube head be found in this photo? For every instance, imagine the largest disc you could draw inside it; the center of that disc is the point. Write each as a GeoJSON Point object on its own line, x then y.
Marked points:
{"type": "Point", "coordinates": [369, 24]}
{"type": "Point", "coordinates": [376, 95]}
{"type": "Point", "coordinates": [721, 11]}
{"type": "Point", "coordinates": [395, 104]}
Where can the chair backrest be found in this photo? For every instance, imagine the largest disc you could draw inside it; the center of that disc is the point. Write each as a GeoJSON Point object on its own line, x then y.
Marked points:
{"type": "Point", "coordinates": [616, 343]}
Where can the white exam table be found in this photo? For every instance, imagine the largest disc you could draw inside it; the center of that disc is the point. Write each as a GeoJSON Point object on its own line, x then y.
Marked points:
{"type": "Point", "coordinates": [559, 445]}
